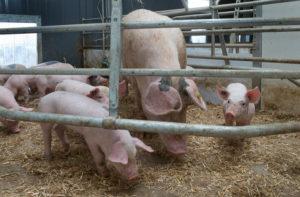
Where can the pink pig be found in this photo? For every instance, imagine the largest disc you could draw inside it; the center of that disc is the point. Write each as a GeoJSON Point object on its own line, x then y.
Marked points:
{"type": "Point", "coordinates": [160, 98]}
{"type": "Point", "coordinates": [113, 149]}
{"type": "Point", "coordinates": [7, 100]}
{"type": "Point", "coordinates": [239, 103]}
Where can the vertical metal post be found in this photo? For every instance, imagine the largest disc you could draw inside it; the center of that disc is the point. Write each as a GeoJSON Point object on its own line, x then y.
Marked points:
{"type": "Point", "coordinates": [257, 39]}
{"type": "Point", "coordinates": [233, 36]}
{"type": "Point", "coordinates": [103, 21]}
{"type": "Point", "coordinates": [215, 15]}
{"type": "Point", "coordinates": [185, 5]}
{"type": "Point", "coordinates": [212, 40]}
{"type": "Point", "coordinates": [115, 56]}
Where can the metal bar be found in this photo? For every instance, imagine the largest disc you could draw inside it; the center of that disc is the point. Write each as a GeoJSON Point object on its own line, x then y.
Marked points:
{"type": "Point", "coordinates": [254, 59]}
{"type": "Point", "coordinates": [230, 67]}
{"type": "Point", "coordinates": [221, 36]}
{"type": "Point", "coordinates": [156, 126]}
{"type": "Point", "coordinates": [200, 23]}
{"type": "Point", "coordinates": [242, 31]}
{"type": "Point", "coordinates": [103, 21]}
{"type": "Point", "coordinates": [116, 56]}
{"type": "Point", "coordinates": [185, 5]}
{"type": "Point", "coordinates": [263, 73]}
{"type": "Point", "coordinates": [198, 16]}
{"type": "Point", "coordinates": [210, 23]}
{"type": "Point", "coordinates": [213, 36]}
{"type": "Point", "coordinates": [249, 4]}
{"type": "Point", "coordinates": [257, 39]}
{"type": "Point", "coordinates": [90, 19]}
{"type": "Point", "coordinates": [178, 12]}
{"type": "Point", "coordinates": [197, 66]}
{"type": "Point", "coordinates": [294, 82]}
{"type": "Point", "coordinates": [56, 28]}
{"type": "Point", "coordinates": [205, 45]}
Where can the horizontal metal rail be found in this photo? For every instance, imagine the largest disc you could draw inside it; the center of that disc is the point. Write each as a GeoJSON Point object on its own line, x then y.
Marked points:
{"type": "Point", "coordinates": [230, 67]}
{"type": "Point", "coordinates": [210, 23]}
{"type": "Point", "coordinates": [253, 59]}
{"type": "Point", "coordinates": [197, 66]}
{"type": "Point", "coordinates": [156, 126]}
{"type": "Point", "coordinates": [209, 15]}
{"type": "Point", "coordinates": [242, 31]}
{"type": "Point", "coordinates": [249, 4]}
{"type": "Point", "coordinates": [205, 45]}
{"type": "Point", "coordinates": [296, 83]}
{"type": "Point", "coordinates": [56, 28]}
{"type": "Point", "coordinates": [197, 23]}
{"type": "Point", "coordinates": [272, 74]}
{"type": "Point", "coordinates": [179, 12]}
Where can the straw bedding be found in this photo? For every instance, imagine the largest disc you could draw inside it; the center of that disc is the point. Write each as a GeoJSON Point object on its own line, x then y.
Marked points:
{"type": "Point", "coordinates": [265, 166]}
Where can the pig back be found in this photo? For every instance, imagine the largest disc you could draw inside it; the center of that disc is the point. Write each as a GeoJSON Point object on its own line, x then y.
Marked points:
{"type": "Point", "coordinates": [61, 102]}
{"type": "Point", "coordinates": [152, 48]}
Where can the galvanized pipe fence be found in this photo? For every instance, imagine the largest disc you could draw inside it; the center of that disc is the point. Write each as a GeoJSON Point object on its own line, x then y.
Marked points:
{"type": "Point", "coordinates": [115, 71]}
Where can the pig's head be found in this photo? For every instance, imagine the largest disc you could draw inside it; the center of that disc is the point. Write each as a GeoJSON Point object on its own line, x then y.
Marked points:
{"type": "Point", "coordinates": [122, 157]}
{"type": "Point", "coordinates": [166, 100]}
{"type": "Point", "coordinates": [96, 80]}
{"type": "Point", "coordinates": [236, 99]}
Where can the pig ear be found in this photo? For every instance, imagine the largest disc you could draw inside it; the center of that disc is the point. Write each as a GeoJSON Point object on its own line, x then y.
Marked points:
{"type": "Point", "coordinates": [139, 143]}
{"type": "Point", "coordinates": [93, 93]}
{"type": "Point", "coordinates": [92, 77]}
{"type": "Point", "coordinates": [161, 99]}
{"type": "Point", "coordinates": [222, 92]}
{"type": "Point", "coordinates": [253, 95]}
{"type": "Point", "coordinates": [192, 90]}
{"type": "Point", "coordinates": [122, 88]}
{"type": "Point", "coordinates": [25, 109]}
{"type": "Point", "coordinates": [118, 154]}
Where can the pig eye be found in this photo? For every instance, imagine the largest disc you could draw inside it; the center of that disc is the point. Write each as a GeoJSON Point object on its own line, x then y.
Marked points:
{"type": "Point", "coordinates": [244, 104]}
{"type": "Point", "coordinates": [228, 101]}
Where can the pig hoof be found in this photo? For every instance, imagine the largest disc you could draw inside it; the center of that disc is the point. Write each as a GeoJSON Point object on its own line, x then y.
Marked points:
{"type": "Point", "coordinates": [15, 131]}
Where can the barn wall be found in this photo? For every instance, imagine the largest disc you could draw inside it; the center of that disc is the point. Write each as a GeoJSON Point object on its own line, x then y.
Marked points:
{"type": "Point", "coordinates": [60, 46]}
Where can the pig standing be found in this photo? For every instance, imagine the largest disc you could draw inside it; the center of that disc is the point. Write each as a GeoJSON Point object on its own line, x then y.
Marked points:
{"type": "Point", "coordinates": [160, 98]}
{"type": "Point", "coordinates": [7, 100]}
{"type": "Point", "coordinates": [98, 93]}
{"type": "Point", "coordinates": [115, 148]}
{"type": "Point", "coordinates": [4, 78]}
{"type": "Point", "coordinates": [239, 103]}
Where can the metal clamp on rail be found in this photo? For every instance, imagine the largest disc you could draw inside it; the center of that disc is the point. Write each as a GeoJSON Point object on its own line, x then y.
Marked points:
{"type": "Point", "coordinates": [109, 123]}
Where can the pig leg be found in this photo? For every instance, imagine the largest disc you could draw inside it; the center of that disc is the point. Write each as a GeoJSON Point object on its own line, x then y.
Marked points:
{"type": "Point", "coordinates": [98, 157]}
{"type": "Point", "coordinates": [47, 136]}
{"type": "Point", "coordinates": [60, 131]}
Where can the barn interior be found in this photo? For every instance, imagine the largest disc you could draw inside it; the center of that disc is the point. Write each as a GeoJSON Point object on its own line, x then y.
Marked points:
{"type": "Point", "coordinates": [259, 166]}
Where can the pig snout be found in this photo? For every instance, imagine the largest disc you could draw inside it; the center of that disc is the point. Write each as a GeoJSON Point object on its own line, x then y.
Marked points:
{"type": "Point", "coordinates": [229, 115]}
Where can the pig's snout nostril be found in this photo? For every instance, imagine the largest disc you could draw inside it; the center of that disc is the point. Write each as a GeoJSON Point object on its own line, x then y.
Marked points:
{"type": "Point", "coordinates": [229, 115]}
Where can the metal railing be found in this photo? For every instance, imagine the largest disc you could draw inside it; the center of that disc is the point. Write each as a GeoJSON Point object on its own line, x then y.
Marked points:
{"type": "Point", "coordinates": [115, 71]}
